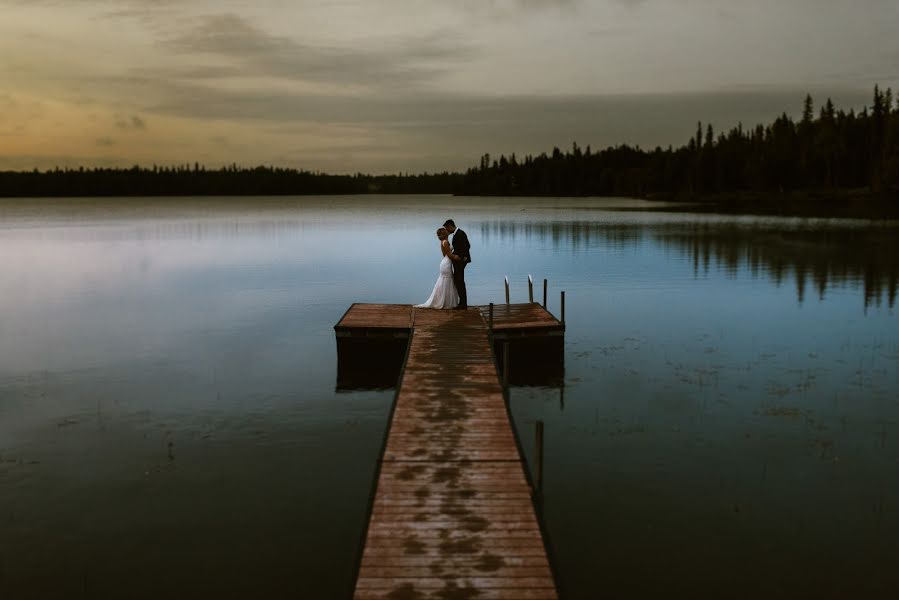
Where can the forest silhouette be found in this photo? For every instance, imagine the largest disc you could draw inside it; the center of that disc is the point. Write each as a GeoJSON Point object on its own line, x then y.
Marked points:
{"type": "Point", "coordinates": [835, 150]}
{"type": "Point", "coordinates": [829, 153]}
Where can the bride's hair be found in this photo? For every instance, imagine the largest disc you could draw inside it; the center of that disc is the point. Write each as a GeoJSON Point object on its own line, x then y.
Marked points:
{"type": "Point", "coordinates": [442, 233]}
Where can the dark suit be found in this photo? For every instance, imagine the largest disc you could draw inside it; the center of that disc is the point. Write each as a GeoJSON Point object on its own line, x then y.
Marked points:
{"type": "Point", "coordinates": [462, 249]}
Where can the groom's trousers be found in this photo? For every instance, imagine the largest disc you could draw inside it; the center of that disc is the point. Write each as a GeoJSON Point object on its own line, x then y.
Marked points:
{"type": "Point", "coordinates": [459, 280]}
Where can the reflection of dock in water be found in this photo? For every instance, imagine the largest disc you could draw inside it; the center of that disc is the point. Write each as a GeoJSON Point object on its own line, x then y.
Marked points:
{"type": "Point", "coordinates": [372, 340]}
{"type": "Point", "coordinates": [452, 512]}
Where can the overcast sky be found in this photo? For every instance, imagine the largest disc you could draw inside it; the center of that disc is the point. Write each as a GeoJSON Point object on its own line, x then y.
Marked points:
{"type": "Point", "coordinates": [412, 85]}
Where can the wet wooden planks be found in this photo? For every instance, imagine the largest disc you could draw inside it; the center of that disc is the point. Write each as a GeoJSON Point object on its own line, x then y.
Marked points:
{"type": "Point", "coordinates": [522, 316]}
{"type": "Point", "coordinates": [452, 515]}
{"type": "Point", "coordinates": [400, 316]}
{"type": "Point", "coordinates": [376, 316]}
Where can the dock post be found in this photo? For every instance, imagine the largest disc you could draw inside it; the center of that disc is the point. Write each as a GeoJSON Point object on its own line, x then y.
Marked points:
{"type": "Point", "coordinates": [539, 467]}
{"type": "Point", "coordinates": [505, 365]}
{"type": "Point", "coordinates": [563, 308]}
{"type": "Point", "coordinates": [530, 289]}
{"type": "Point", "coordinates": [490, 320]}
{"type": "Point", "coordinates": [507, 291]}
{"type": "Point", "coordinates": [544, 293]}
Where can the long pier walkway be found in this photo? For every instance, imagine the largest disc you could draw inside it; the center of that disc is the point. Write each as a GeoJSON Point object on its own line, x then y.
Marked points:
{"type": "Point", "coordinates": [452, 515]}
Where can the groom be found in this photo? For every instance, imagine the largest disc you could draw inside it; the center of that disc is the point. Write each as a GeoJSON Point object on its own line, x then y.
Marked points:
{"type": "Point", "coordinates": [462, 249]}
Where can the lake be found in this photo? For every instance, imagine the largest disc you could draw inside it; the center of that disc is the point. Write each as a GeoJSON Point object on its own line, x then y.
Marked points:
{"type": "Point", "coordinates": [170, 425]}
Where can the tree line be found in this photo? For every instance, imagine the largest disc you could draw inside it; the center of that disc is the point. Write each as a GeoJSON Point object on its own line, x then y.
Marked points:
{"type": "Point", "coordinates": [827, 151]}
{"type": "Point", "coordinates": [197, 180]}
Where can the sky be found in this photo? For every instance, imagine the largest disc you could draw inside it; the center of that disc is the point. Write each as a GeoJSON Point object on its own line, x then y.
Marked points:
{"type": "Point", "coordinates": [384, 86]}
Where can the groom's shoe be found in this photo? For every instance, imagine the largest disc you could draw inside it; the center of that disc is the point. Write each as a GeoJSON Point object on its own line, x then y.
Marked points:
{"type": "Point", "coordinates": [461, 307]}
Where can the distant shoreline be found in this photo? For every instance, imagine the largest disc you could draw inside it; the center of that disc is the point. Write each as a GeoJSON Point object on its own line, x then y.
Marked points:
{"type": "Point", "coordinates": [825, 203]}
{"type": "Point", "coordinates": [862, 204]}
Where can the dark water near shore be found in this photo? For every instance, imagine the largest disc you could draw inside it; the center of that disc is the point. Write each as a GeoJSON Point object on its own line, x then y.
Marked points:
{"type": "Point", "coordinates": [169, 425]}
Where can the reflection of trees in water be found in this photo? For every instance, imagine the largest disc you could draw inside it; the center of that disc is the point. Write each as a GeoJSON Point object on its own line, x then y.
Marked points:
{"type": "Point", "coordinates": [570, 233]}
{"type": "Point", "coordinates": [815, 255]}
{"type": "Point", "coordinates": [821, 255]}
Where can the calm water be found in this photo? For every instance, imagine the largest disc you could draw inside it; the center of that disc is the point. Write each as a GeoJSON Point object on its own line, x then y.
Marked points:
{"type": "Point", "coordinates": [169, 425]}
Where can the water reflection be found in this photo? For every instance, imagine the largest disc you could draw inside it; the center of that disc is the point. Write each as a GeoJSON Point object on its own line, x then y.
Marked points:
{"type": "Point", "coordinates": [376, 363]}
{"type": "Point", "coordinates": [167, 401]}
{"type": "Point", "coordinates": [816, 254]}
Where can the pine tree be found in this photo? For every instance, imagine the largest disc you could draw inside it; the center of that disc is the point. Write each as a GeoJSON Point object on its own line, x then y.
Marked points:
{"type": "Point", "coordinates": [808, 110]}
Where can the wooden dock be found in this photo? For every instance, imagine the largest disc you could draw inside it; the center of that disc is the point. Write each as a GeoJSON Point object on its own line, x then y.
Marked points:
{"type": "Point", "coordinates": [397, 320]}
{"type": "Point", "coordinates": [452, 514]}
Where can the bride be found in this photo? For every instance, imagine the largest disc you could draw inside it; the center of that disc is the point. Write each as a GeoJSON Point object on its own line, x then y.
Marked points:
{"type": "Point", "coordinates": [444, 294]}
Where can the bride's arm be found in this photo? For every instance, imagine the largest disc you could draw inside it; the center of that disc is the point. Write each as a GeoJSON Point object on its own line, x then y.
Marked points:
{"type": "Point", "coordinates": [445, 248]}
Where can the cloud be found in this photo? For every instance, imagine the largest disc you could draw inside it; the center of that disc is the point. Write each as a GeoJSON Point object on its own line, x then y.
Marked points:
{"type": "Point", "coordinates": [377, 85]}
{"type": "Point", "coordinates": [134, 123]}
{"type": "Point", "coordinates": [461, 127]}
{"type": "Point", "coordinates": [220, 140]}
{"type": "Point", "coordinates": [421, 131]}
{"type": "Point", "coordinates": [607, 32]}
{"type": "Point", "coordinates": [17, 115]}
{"type": "Point", "coordinates": [512, 6]}
{"type": "Point", "coordinates": [544, 4]}
{"type": "Point", "coordinates": [119, 3]}
{"type": "Point", "coordinates": [252, 52]}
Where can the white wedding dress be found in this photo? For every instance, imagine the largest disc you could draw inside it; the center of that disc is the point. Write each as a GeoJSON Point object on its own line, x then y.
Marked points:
{"type": "Point", "coordinates": [444, 294]}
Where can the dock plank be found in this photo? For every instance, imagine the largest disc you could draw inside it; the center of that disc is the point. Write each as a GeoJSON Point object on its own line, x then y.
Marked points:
{"type": "Point", "coordinates": [377, 316]}
{"type": "Point", "coordinates": [400, 316]}
{"type": "Point", "coordinates": [452, 514]}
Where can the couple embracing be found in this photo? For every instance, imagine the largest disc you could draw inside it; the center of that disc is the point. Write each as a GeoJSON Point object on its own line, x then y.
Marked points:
{"type": "Point", "coordinates": [449, 291]}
